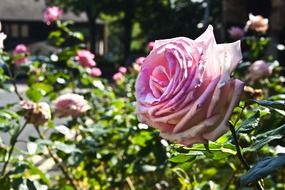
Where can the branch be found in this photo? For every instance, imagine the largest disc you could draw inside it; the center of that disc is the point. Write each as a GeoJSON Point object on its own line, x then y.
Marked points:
{"type": "Point", "coordinates": [57, 161]}
{"type": "Point", "coordinates": [13, 142]}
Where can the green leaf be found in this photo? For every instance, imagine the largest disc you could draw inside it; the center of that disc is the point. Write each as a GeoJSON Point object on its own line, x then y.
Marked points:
{"type": "Point", "coordinates": [268, 136]}
{"type": "Point", "coordinates": [181, 158]}
{"type": "Point", "coordinates": [78, 35]}
{"type": "Point", "coordinates": [66, 148]}
{"type": "Point", "coordinates": [271, 104]}
{"type": "Point", "coordinates": [5, 183]}
{"type": "Point", "coordinates": [34, 95]}
{"type": "Point", "coordinates": [262, 169]}
{"type": "Point", "coordinates": [249, 124]}
{"type": "Point", "coordinates": [34, 170]}
{"type": "Point", "coordinates": [42, 87]}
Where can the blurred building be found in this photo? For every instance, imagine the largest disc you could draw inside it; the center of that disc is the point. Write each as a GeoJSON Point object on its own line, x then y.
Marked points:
{"type": "Point", "coordinates": [22, 22]}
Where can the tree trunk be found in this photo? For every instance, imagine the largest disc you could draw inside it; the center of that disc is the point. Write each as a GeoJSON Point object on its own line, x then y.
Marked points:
{"type": "Point", "coordinates": [92, 29]}
{"type": "Point", "coordinates": [128, 26]}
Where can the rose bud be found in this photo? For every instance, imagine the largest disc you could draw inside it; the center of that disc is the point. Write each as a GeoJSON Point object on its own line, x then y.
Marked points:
{"type": "Point", "coordinates": [236, 33]}
{"type": "Point", "coordinates": [118, 77]}
{"type": "Point", "coordinates": [70, 105]}
{"type": "Point", "coordinates": [184, 88]}
{"type": "Point", "coordinates": [85, 58]}
{"type": "Point", "coordinates": [140, 60]}
{"type": "Point", "coordinates": [258, 70]}
{"type": "Point", "coordinates": [136, 67]}
{"type": "Point", "coordinates": [95, 72]}
{"type": "Point", "coordinates": [36, 113]}
{"type": "Point", "coordinates": [149, 46]}
{"type": "Point", "coordinates": [137, 64]}
{"type": "Point", "coordinates": [257, 23]}
{"type": "Point", "coordinates": [2, 38]}
{"type": "Point", "coordinates": [122, 70]}
{"type": "Point", "coordinates": [20, 54]}
{"type": "Point", "coordinates": [52, 14]}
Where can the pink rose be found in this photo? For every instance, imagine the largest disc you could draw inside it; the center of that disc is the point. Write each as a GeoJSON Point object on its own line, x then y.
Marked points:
{"type": "Point", "coordinates": [70, 105]}
{"type": "Point", "coordinates": [118, 77]}
{"type": "Point", "coordinates": [140, 60]}
{"type": "Point", "coordinates": [52, 14]}
{"type": "Point", "coordinates": [122, 70]}
{"type": "Point", "coordinates": [184, 88]}
{"type": "Point", "coordinates": [85, 58]}
{"type": "Point", "coordinates": [2, 38]}
{"type": "Point", "coordinates": [258, 70]}
{"type": "Point", "coordinates": [149, 46]}
{"type": "Point", "coordinates": [257, 23]}
{"type": "Point", "coordinates": [20, 54]}
{"type": "Point", "coordinates": [95, 72]}
{"type": "Point", "coordinates": [236, 33]}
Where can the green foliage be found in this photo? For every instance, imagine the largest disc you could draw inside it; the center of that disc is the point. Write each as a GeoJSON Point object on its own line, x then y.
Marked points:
{"type": "Point", "coordinates": [107, 147]}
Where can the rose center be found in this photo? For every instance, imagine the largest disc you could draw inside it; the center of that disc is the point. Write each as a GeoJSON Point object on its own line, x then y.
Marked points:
{"type": "Point", "coordinates": [159, 81]}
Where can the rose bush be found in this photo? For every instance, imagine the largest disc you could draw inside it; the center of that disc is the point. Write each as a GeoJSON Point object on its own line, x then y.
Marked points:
{"type": "Point", "coordinates": [184, 88]}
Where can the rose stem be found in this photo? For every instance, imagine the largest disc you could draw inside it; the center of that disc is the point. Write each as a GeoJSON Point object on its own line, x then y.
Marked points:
{"type": "Point", "coordinates": [239, 154]}
{"type": "Point", "coordinates": [57, 161]}
{"type": "Point", "coordinates": [13, 142]}
{"type": "Point", "coordinates": [13, 78]}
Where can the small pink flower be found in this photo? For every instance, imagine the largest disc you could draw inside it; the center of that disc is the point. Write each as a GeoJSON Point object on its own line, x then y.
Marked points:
{"type": "Point", "coordinates": [20, 54]}
{"type": "Point", "coordinates": [257, 23]}
{"type": "Point", "coordinates": [258, 70]}
{"type": "Point", "coordinates": [70, 105]}
{"type": "Point", "coordinates": [2, 38]}
{"type": "Point", "coordinates": [85, 58]}
{"type": "Point", "coordinates": [52, 14]}
{"type": "Point", "coordinates": [136, 67]}
{"type": "Point", "coordinates": [95, 72]}
{"type": "Point", "coordinates": [140, 60]}
{"type": "Point", "coordinates": [149, 46]}
{"type": "Point", "coordinates": [236, 33]}
{"type": "Point", "coordinates": [119, 77]}
{"type": "Point", "coordinates": [122, 70]}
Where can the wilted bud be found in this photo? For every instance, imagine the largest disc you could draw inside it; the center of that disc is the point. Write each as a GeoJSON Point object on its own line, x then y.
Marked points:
{"type": "Point", "coordinates": [70, 105]}
{"type": "Point", "coordinates": [251, 93]}
{"type": "Point", "coordinates": [36, 113]}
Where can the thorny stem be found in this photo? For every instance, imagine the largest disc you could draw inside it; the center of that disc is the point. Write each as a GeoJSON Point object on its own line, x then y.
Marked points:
{"type": "Point", "coordinates": [239, 153]}
{"type": "Point", "coordinates": [57, 161]}
{"type": "Point", "coordinates": [13, 142]}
